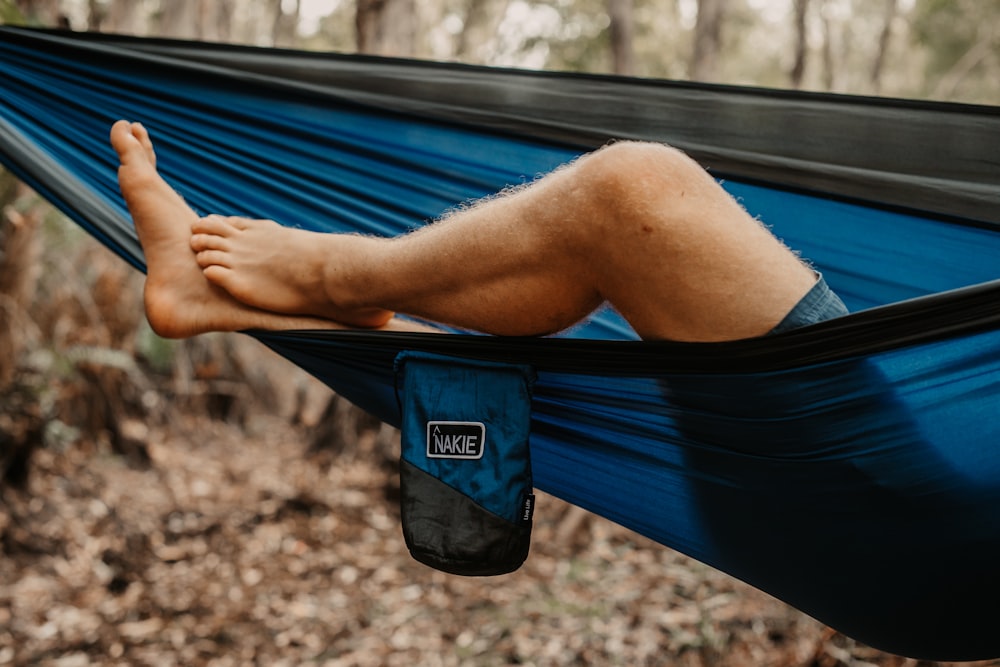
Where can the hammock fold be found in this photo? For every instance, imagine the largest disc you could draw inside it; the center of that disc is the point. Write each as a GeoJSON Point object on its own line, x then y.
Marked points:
{"type": "Point", "coordinates": [850, 468]}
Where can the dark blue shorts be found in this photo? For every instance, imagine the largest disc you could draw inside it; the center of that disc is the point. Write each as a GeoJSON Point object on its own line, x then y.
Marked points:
{"type": "Point", "coordinates": [819, 304]}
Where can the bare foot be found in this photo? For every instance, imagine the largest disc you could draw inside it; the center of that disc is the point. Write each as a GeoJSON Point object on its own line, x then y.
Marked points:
{"type": "Point", "coordinates": [280, 269]}
{"type": "Point", "coordinates": [179, 301]}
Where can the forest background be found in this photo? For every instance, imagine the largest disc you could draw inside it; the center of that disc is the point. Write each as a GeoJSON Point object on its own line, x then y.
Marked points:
{"type": "Point", "coordinates": [203, 502]}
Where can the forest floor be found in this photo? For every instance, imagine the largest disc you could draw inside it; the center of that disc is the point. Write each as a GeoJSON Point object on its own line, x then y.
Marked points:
{"type": "Point", "coordinates": [237, 545]}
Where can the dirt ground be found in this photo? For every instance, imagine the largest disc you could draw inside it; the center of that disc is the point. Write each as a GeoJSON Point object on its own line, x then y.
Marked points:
{"type": "Point", "coordinates": [237, 546]}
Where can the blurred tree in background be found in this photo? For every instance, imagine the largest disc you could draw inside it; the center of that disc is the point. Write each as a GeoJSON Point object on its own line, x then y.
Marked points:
{"type": "Point", "coordinates": [960, 43]}
{"type": "Point", "coordinates": [941, 49]}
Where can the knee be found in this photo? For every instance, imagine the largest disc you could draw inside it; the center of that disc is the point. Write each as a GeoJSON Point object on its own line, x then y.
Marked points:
{"type": "Point", "coordinates": [630, 175]}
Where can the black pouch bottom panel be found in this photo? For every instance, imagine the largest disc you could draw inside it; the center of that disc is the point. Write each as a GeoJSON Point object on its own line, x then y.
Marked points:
{"type": "Point", "coordinates": [447, 530]}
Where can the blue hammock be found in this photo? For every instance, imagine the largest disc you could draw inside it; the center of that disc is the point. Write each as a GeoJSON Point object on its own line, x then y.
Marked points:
{"type": "Point", "coordinates": [850, 468]}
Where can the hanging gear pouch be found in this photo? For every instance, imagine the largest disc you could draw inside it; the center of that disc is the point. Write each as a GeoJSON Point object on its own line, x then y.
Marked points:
{"type": "Point", "coordinates": [465, 467]}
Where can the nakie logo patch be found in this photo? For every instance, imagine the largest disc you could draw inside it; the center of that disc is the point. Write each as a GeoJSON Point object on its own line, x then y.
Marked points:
{"type": "Point", "coordinates": [455, 440]}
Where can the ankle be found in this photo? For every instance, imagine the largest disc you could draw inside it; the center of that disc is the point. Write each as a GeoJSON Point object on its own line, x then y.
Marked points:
{"type": "Point", "coordinates": [345, 267]}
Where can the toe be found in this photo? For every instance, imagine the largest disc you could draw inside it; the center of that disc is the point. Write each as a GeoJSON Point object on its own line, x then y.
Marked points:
{"type": "Point", "coordinates": [208, 258]}
{"type": "Point", "coordinates": [201, 242]}
{"type": "Point", "coordinates": [142, 136]}
{"type": "Point", "coordinates": [213, 225]}
{"type": "Point", "coordinates": [123, 141]}
{"type": "Point", "coordinates": [218, 275]}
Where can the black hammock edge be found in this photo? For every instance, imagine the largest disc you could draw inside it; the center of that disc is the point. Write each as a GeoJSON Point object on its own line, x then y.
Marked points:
{"type": "Point", "coordinates": [963, 312]}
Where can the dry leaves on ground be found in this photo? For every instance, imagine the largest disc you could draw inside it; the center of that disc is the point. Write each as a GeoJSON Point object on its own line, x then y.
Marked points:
{"type": "Point", "coordinates": [236, 549]}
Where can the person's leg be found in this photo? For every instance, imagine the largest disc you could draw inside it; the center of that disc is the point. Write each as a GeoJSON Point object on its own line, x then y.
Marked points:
{"type": "Point", "coordinates": [179, 300]}
{"type": "Point", "coordinates": [639, 225]}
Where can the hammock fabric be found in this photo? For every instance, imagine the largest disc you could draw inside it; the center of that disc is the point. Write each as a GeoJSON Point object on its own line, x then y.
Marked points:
{"type": "Point", "coordinates": [850, 468]}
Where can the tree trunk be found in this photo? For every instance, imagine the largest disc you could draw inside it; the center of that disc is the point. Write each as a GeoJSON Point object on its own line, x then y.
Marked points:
{"type": "Point", "coordinates": [891, 8]}
{"type": "Point", "coordinates": [801, 44]}
{"type": "Point", "coordinates": [478, 29]}
{"type": "Point", "coordinates": [118, 16]}
{"type": "Point", "coordinates": [707, 40]}
{"type": "Point", "coordinates": [21, 418]}
{"type": "Point", "coordinates": [285, 24]}
{"type": "Point", "coordinates": [19, 271]}
{"type": "Point", "coordinates": [216, 20]}
{"type": "Point", "coordinates": [179, 19]}
{"type": "Point", "coordinates": [385, 27]}
{"type": "Point", "coordinates": [829, 57]}
{"type": "Point", "coordinates": [622, 32]}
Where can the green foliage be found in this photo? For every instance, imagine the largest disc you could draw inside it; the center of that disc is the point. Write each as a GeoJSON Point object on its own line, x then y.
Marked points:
{"type": "Point", "coordinates": [157, 353]}
{"type": "Point", "coordinates": [7, 184]}
{"type": "Point", "coordinates": [947, 28]}
{"type": "Point", "coordinates": [961, 40]}
{"type": "Point", "coordinates": [9, 13]}
{"type": "Point", "coordinates": [582, 41]}
{"type": "Point", "coordinates": [336, 31]}
{"type": "Point", "coordinates": [944, 49]}
{"type": "Point", "coordinates": [662, 41]}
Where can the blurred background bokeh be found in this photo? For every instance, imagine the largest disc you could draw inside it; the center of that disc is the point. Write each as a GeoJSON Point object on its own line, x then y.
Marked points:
{"type": "Point", "coordinates": [205, 502]}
